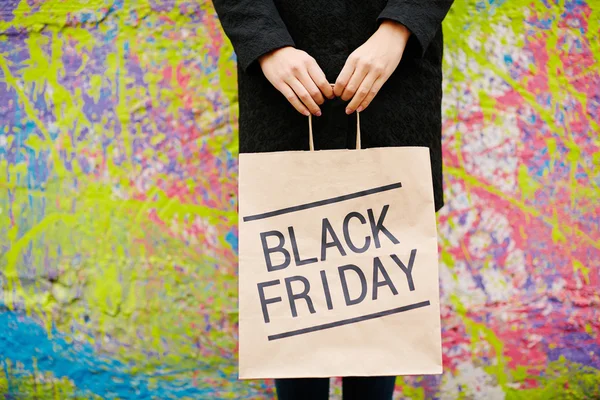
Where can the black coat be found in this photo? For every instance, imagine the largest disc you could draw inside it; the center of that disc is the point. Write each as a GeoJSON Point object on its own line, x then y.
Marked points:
{"type": "Point", "coordinates": [406, 111]}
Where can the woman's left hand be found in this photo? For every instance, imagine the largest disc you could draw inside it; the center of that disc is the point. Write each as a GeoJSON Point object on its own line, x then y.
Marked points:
{"type": "Point", "coordinates": [370, 66]}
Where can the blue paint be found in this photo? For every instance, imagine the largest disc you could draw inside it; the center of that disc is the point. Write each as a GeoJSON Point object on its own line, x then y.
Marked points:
{"type": "Point", "coordinates": [232, 239]}
{"type": "Point", "coordinates": [544, 167]}
{"type": "Point", "coordinates": [23, 338]}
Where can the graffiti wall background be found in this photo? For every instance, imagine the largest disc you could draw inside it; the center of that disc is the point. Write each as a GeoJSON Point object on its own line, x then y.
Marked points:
{"type": "Point", "coordinates": [118, 202]}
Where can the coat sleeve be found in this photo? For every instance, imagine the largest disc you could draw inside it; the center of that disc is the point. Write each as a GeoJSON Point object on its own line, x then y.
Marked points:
{"type": "Point", "coordinates": [254, 28]}
{"type": "Point", "coordinates": [422, 18]}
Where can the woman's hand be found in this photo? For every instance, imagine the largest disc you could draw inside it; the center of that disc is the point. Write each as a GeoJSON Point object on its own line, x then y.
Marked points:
{"type": "Point", "coordinates": [370, 66]}
{"type": "Point", "coordinates": [298, 77]}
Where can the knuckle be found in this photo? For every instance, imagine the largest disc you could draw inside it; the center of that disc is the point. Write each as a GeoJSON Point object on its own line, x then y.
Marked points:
{"type": "Point", "coordinates": [294, 68]}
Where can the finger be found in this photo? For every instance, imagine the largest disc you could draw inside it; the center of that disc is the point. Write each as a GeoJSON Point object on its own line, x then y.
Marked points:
{"type": "Point", "coordinates": [290, 95]}
{"type": "Point", "coordinates": [304, 96]}
{"type": "Point", "coordinates": [358, 76]}
{"type": "Point", "coordinates": [311, 87]}
{"type": "Point", "coordinates": [344, 77]}
{"type": "Point", "coordinates": [317, 75]}
{"type": "Point", "coordinates": [372, 93]}
{"type": "Point", "coordinates": [361, 94]}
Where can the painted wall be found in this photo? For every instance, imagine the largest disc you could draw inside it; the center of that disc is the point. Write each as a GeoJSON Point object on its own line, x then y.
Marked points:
{"type": "Point", "coordinates": [118, 202]}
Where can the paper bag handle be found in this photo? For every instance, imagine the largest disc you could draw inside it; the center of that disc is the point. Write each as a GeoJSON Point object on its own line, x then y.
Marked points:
{"type": "Point", "coordinates": [310, 131]}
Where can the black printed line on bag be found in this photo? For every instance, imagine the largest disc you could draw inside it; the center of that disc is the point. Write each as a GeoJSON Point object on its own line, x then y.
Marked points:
{"type": "Point", "coordinates": [321, 203]}
{"type": "Point", "coordinates": [349, 321]}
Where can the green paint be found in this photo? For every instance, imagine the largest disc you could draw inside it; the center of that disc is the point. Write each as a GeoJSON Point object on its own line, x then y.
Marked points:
{"type": "Point", "coordinates": [447, 259]}
{"type": "Point", "coordinates": [585, 271]}
{"type": "Point", "coordinates": [479, 332]}
{"type": "Point", "coordinates": [38, 386]}
{"type": "Point", "coordinates": [561, 379]}
{"type": "Point", "coordinates": [557, 235]}
{"type": "Point", "coordinates": [589, 329]}
{"type": "Point", "coordinates": [527, 184]}
{"type": "Point", "coordinates": [12, 83]}
{"type": "Point", "coordinates": [488, 105]}
{"type": "Point", "coordinates": [409, 391]}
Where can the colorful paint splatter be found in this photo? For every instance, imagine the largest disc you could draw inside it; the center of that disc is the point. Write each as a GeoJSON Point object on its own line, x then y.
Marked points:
{"type": "Point", "coordinates": [118, 202]}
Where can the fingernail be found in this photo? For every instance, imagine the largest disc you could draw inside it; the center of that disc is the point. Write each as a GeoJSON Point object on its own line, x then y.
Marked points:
{"type": "Point", "coordinates": [348, 111]}
{"type": "Point", "coordinates": [360, 109]}
{"type": "Point", "coordinates": [306, 113]}
{"type": "Point", "coordinates": [318, 114]}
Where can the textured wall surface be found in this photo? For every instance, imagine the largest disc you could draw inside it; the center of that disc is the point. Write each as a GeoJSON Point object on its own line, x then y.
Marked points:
{"type": "Point", "coordinates": [118, 202]}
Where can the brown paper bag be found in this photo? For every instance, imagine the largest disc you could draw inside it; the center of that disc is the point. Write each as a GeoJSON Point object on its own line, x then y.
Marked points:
{"type": "Point", "coordinates": [338, 264]}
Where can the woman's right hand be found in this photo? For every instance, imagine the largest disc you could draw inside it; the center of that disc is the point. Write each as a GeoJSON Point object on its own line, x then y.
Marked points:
{"type": "Point", "coordinates": [298, 77]}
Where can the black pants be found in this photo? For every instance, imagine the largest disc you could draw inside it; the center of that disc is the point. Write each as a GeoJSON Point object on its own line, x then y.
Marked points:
{"type": "Point", "coordinates": [353, 388]}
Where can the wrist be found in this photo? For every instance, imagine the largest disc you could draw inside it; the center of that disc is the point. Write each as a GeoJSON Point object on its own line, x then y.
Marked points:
{"type": "Point", "coordinates": [265, 56]}
{"type": "Point", "coordinates": [394, 28]}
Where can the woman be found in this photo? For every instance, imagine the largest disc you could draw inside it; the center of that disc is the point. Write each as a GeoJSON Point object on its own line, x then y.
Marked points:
{"type": "Point", "coordinates": [385, 59]}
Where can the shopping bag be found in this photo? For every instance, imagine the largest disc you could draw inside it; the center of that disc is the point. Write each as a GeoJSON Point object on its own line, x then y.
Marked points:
{"type": "Point", "coordinates": [338, 263]}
